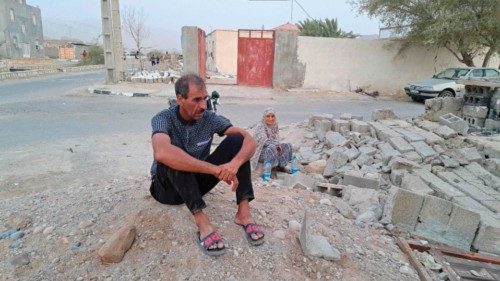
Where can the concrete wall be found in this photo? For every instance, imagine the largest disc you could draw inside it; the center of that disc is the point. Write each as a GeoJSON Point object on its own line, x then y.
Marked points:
{"type": "Point", "coordinates": [345, 64]}
{"type": "Point", "coordinates": [189, 42]}
{"type": "Point", "coordinates": [222, 51]}
{"type": "Point", "coordinates": [288, 72]}
{"type": "Point", "coordinates": [16, 41]}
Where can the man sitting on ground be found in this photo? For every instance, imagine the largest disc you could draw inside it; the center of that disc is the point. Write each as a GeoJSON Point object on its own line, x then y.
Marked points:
{"type": "Point", "coordinates": [184, 170]}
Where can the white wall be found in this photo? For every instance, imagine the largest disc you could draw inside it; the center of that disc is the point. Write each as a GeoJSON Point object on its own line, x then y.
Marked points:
{"type": "Point", "coordinates": [344, 64]}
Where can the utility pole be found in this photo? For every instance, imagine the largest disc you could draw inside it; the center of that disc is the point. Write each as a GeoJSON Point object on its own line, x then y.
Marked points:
{"type": "Point", "coordinates": [112, 39]}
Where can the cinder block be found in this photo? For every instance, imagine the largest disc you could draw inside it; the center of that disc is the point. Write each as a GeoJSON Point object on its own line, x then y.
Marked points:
{"type": "Point", "coordinates": [470, 154]}
{"type": "Point", "coordinates": [487, 238]}
{"type": "Point", "coordinates": [359, 179]}
{"type": "Point", "coordinates": [322, 116]}
{"type": "Point", "coordinates": [409, 135]}
{"type": "Point", "coordinates": [461, 228]}
{"type": "Point", "coordinates": [321, 127]}
{"type": "Point", "coordinates": [430, 137]}
{"type": "Point", "coordinates": [445, 132]}
{"type": "Point", "coordinates": [433, 217]}
{"type": "Point", "coordinates": [470, 204]}
{"type": "Point", "coordinates": [423, 149]}
{"type": "Point", "coordinates": [413, 156]}
{"type": "Point", "coordinates": [492, 124]}
{"type": "Point", "coordinates": [465, 187]}
{"type": "Point", "coordinates": [341, 126]}
{"type": "Point", "coordinates": [299, 180]}
{"type": "Point", "coordinates": [454, 122]}
{"type": "Point", "coordinates": [474, 122]}
{"type": "Point", "coordinates": [368, 150]}
{"type": "Point", "coordinates": [387, 152]}
{"type": "Point", "coordinates": [475, 111]}
{"type": "Point", "coordinates": [334, 139]}
{"type": "Point", "coordinates": [405, 210]}
{"type": "Point", "coordinates": [442, 189]}
{"type": "Point", "coordinates": [360, 126]}
{"type": "Point", "coordinates": [401, 145]}
{"type": "Point", "coordinates": [414, 184]}
{"type": "Point", "coordinates": [383, 132]}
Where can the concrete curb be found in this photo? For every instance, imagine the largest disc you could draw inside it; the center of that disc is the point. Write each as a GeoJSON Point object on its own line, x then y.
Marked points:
{"type": "Point", "coordinates": [104, 91]}
{"type": "Point", "coordinates": [43, 72]}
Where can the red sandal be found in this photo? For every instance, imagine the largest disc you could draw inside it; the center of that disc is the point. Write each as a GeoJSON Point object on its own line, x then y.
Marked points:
{"type": "Point", "coordinates": [211, 239]}
{"type": "Point", "coordinates": [253, 228]}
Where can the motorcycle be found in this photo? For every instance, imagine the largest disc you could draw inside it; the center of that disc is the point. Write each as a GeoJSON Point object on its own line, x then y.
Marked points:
{"type": "Point", "coordinates": [212, 101]}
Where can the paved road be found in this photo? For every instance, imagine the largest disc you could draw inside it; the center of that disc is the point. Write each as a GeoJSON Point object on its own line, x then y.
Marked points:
{"type": "Point", "coordinates": [47, 109]}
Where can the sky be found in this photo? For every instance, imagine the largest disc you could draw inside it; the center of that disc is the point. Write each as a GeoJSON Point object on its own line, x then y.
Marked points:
{"type": "Point", "coordinates": [81, 18]}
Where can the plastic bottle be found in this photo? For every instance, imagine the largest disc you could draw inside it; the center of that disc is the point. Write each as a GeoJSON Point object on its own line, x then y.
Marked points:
{"type": "Point", "coordinates": [295, 166]}
{"type": "Point", "coordinates": [266, 176]}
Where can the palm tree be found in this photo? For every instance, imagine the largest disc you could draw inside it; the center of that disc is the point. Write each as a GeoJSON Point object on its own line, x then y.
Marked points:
{"type": "Point", "coordinates": [323, 28]}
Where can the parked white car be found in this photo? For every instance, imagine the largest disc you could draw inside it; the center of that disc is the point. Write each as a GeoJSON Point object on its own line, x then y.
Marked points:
{"type": "Point", "coordinates": [443, 84]}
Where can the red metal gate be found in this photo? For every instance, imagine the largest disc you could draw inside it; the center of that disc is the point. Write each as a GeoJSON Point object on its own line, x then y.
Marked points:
{"type": "Point", "coordinates": [202, 57]}
{"type": "Point", "coordinates": [255, 57]}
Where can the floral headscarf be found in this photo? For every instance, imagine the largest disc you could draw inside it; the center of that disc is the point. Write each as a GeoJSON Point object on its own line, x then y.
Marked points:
{"type": "Point", "coordinates": [264, 132]}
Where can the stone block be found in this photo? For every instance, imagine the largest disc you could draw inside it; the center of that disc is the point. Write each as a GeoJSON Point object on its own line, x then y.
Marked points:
{"type": "Point", "coordinates": [321, 116]}
{"type": "Point", "coordinates": [334, 139]}
{"type": "Point", "coordinates": [413, 156]}
{"type": "Point", "coordinates": [398, 162]}
{"type": "Point", "coordinates": [493, 204]}
{"type": "Point", "coordinates": [433, 217]}
{"type": "Point", "coordinates": [449, 162]}
{"type": "Point", "coordinates": [316, 167]}
{"type": "Point", "coordinates": [414, 184]}
{"type": "Point", "coordinates": [117, 245]}
{"type": "Point", "coordinates": [352, 153]}
{"type": "Point", "coordinates": [429, 125]}
{"type": "Point", "coordinates": [445, 132]}
{"type": "Point", "coordinates": [442, 189]}
{"type": "Point", "coordinates": [455, 122]}
{"type": "Point", "coordinates": [475, 111]}
{"type": "Point", "coordinates": [363, 159]}
{"type": "Point", "coordinates": [487, 238]}
{"type": "Point", "coordinates": [356, 196]}
{"type": "Point", "coordinates": [406, 206]}
{"type": "Point", "coordinates": [368, 150]}
{"type": "Point", "coordinates": [462, 228]}
{"type": "Point", "coordinates": [395, 123]}
{"type": "Point", "coordinates": [397, 175]}
{"type": "Point", "coordinates": [437, 107]}
{"type": "Point", "coordinates": [383, 132]}
{"type": "Point", "coordinates": [359, 179]}
{"type": "Point", "coordinates": [492, 124]}
{"type": "Point", "coordinates": [401, 145]}
{"type": "Point", "coordinates": [470, 204]}
{"type": "Point", "coordinates": [385, 113]}
{"type": "Point", "coordinates": [470, 154]}
{"type": "Point", "coordinates": [387, 152]}
{"type": "Point", "coordinates": [298, 180]}
{"type": "Point", "coordinates": [359, 126]}
{"type": "Point", "coordinates": [341, 126]}
{"type": "Point", "coordinates": [409, 135]}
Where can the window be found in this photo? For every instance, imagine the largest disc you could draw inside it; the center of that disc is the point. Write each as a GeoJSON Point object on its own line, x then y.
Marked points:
{"type": "Point", "coordinates": [477, 73]}
{"type": "Point", "coordinates": [12, 17]}
{"type": "Point", "coordinates": [34, 19]}
{"type": "Point", "coordinates": [15, 42]}
{"type": "Point", "coordinates": [37, 44]}
{"type": "Point", "coordinates": [23, 28]}
{"type": "Point", "coordinates": [491, 73]}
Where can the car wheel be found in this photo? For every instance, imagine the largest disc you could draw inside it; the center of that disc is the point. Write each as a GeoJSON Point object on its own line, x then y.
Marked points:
{"type": "Point", "coordinates": [446, 94]}
{"type": "Point", "coordinates": [417, 99]}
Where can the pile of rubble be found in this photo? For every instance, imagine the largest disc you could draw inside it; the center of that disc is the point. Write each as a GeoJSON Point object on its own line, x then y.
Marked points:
{"type": "Point", "coordinates": [154, 76]}
{"type": "Point", "coordinates": [415, 175]}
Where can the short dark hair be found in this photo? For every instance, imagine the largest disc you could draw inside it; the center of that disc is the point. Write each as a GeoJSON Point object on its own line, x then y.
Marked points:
{"type": "Point", "coordinates": [182, 85]}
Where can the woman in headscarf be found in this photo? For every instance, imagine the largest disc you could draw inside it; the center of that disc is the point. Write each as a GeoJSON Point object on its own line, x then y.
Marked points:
{"type": "Point", "coordinates": [269, 147]}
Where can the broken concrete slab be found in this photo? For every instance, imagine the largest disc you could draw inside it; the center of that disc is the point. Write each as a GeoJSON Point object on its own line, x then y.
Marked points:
{"type": "Point", "coordinates": [470, 154]}
{"type": "Point", "coordinates": [414, 184]}
{"type": "Point", "coordinates": [360, 179]}
{"type": "Point", "coordinates": [352, 153]}
{"type": "Point", "coordinates": [428, 125]}
{"type": "Point", "coordinates": [344, 209]}
{"type": "Point", "coordinates": [314, 245]}
{"type": "Point", "coordinates": [316, 167]}
{"type": "Point", "coordinates": [335, 162]}
{"type": "Point", "coordinates": [461, 228]}
{"type": "Point", "coordinates": [430, 137]}
{"type": "Point", "coordinates": [401, 145]}
{"type": "Point", "coordinates": [397, 175]}
{"type": "Point", "coordinates": [470, 204]}
{"type": "Point", "coordinates": [333, 139]}
{"type": "Point", "coordinates": [475, 111]}
{"type": "Point", "coordinates": [298, 180]}
{"type": "Point", "coordinates": [321, 127]}
{"type": "Point", "coordinates": [395, 123]}
{"type": "Point", "coordinates": [361, 199]}
{"type": "Point", "coordinates": [406, 207]}
{"type": "Point", "coordinates": [413, 156]}
{"type": "Point", "coordinates": [455, 122]}
{"type": "Point", "coordinates": [363, 159]}
{"type": "Point", "coordinates": [423, 149]}
{"type": "Point", "coordinates": [442, 189]}
{"type": "Point", "coordinates": [398, 162]}
{"type": "Point", "coordinates": [383, 132]}
{"type": "Point", "coordinates": [385, 113]}
{"type": "Point", "coordinates": [321, 116]}
{"type": "Point", "coordinates": [359, 126]}
{"type": "Point", "coordinates": [449, 162]}
{"type": "Point", "coordinates": [487, 238]}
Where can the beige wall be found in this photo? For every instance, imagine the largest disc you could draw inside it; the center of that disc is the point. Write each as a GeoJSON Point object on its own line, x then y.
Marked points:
{"type": "Point", "coordinates": [345, 64]}
{"type": "Point", "coordinates": [222, 51]}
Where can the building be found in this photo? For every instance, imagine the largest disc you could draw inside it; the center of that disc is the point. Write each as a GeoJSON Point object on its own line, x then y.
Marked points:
{"type": "Point", "coordinates": [21, 32]}
{"type": "Point", "coordinates": [65, 49]}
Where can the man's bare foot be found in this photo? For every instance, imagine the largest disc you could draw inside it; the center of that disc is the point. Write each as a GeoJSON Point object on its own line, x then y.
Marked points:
{"type": "Point", "coordinates": [243, 217]}
{"type": "Point", "coordinates": [205, 228]}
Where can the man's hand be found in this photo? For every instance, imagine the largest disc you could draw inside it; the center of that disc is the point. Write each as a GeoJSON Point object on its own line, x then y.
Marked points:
{"type": "Point", "coordinates": [228, 172]}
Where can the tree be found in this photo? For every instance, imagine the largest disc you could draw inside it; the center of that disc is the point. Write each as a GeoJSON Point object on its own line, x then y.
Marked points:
{"type": "Point", "coordinates": [134, 23]}
{"type": "Point", "coordinates": [95, 55]}
{"type": "Point", "coordinates": [320, 28]}
{"type": "Point", "coordinates": [467, 28]}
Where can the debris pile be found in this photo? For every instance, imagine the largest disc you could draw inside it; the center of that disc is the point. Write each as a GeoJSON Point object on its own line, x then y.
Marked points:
{"type": "Point", "coordinates": [154, 76]}
{"type": "Point", "coordinates": [417, 175]}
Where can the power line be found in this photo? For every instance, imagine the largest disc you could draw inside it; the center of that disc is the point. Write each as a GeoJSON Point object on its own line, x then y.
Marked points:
{"type": "Point", "coordinates": [303, 9]}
